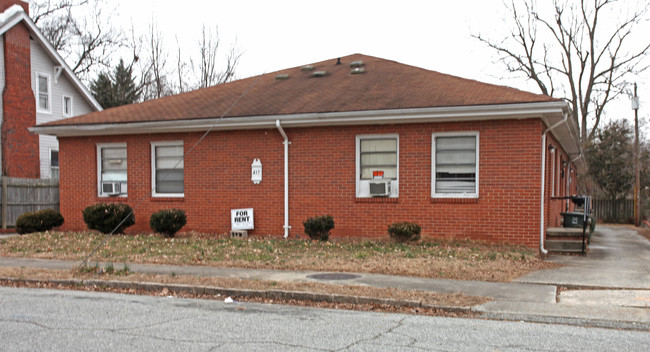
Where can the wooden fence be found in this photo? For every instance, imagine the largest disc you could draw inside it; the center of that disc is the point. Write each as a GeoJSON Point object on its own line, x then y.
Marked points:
{"type": "Point", "coordinates": [613, 211]}
{"type": "Point", "coordinates": [21, 195]}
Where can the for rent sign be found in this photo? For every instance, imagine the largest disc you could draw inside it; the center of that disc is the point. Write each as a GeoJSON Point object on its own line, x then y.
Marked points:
{"type": "Point", "coordinates": [241, 219]}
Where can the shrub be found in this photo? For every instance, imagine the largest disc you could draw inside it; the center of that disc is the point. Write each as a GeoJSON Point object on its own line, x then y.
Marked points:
{"type": "Point", "coordinates": [404, 231]}
{"type": "Point", "coordinates": [168, 222]}
{"type": "Point", "coordinates": [106, 217]}
{"type": "Point", "coordinates": [318, 227]}
{"type": "Point", "coordinates": [42, 220]}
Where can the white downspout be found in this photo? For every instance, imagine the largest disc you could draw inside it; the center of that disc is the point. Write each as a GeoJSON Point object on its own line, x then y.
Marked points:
{"type": "Point", "coordinates": [286, 178]}
{"type": "Point", "coordinates": [541, 221]}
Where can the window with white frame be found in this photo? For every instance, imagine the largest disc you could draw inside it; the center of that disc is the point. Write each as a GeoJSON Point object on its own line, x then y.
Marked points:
{"type": "Point", "coordinates": [455, 164]}
{"type": "Point", "coordinates": [67, 106]}
{"type": "Point", "coordinates": [54, 163]}
{"type": "Point", "coordinates": [112, 169]}
{"type": "Point", "coordinates": [167, 169]}
{"type": "Point", "coordinates": [377, 165]}
{"type": "Point", "coordinates": [43, 98]}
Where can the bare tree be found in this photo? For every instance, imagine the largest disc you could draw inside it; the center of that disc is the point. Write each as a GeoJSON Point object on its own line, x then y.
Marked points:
{"type": "Point", "coordinates": [181, 68]}
{"type": "Point", "coordinates": [157, 72]}
{"type": "Point", "coordinates": [573, 52]}
{"type": "Point", "coordinates": [86, 42]}
{"type": "Point", "coordinates": [206, 69]}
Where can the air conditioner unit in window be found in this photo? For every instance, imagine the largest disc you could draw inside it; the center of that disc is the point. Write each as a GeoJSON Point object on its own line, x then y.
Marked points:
{"type": "Point", "coordinates": [380, 188]}
{"type": "Point", "coordinates": [111, 188]}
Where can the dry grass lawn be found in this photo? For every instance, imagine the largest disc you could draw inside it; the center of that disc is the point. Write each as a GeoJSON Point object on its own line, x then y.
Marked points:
{"type": "Point", "coordinates": [461, 260]}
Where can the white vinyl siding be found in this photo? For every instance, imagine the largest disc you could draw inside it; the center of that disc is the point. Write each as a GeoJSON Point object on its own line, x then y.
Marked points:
{"type": "Point", "coordinates": [167, 169]}
{"type": "Point", "coordinates": [377, 153]}
{"type": "Point", "coordinates": [455, 160]}
{"type": "Point", "coordinates": [112, 166]}
{"type": "Point", "coordinates": [62, 86]}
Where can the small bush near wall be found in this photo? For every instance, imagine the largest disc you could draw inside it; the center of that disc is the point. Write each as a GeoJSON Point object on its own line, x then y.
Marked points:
{"type": "Point", "coordinates": [168, 222]}
{"type": "Point", "coordinates": [106, 217]}
{"type": "Point", "coordinates": [404, 231]}
{"type": "Point", "coordinates": [318, 227]}
{"type": "Point", "coordinates": [42, 220]}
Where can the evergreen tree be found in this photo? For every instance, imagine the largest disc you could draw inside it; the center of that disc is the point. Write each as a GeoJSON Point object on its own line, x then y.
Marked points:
{"type": "Point", "coordinates": [116, 89]}
{"type": "Point", "coordinates": [102, 89]}
{"type": "Point", "coordinates": [611, 159]}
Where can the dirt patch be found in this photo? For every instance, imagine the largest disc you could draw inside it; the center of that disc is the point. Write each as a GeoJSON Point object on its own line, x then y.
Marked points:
{"type": "Point", "coordinates": [458, 260]}
{"type": "Point", "coordinates": [427, 298]}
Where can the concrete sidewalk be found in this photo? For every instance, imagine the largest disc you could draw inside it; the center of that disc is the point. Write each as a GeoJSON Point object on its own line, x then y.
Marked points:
{"type": "Point", "coordinates": [531, 302]}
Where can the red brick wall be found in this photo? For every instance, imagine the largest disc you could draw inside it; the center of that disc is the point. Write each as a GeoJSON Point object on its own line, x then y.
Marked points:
{"type": "Point", "coordinates": [19, 146]}
{"type": "Point", "coordinates": [322, 181]}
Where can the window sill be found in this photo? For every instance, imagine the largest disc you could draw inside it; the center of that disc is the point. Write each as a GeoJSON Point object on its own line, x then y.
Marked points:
{"type": "Point", "coordinates": [377, 200]}
{"type": "Point", "coordinates": [455, 200]}
{"type": "Point", "coordinates": [113, 199]}
{"type": "Point", "coordinates": [167, 199]}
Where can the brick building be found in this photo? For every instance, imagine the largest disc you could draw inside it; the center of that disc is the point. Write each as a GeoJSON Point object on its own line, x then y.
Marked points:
{"type": "Point", "coordinates": [367, 140]}
{"type": "Point", "coordinates": [37, 87]}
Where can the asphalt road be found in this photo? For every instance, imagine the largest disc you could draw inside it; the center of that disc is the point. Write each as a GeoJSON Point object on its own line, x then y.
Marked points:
{"type": "Point", "coordinates": [50, 320]}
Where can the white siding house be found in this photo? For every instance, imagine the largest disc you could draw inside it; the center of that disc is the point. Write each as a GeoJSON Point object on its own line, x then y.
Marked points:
{"type": "Point", "coordinates": [63, 100]}
{"type": "Point", "coordinates": [58, 92]}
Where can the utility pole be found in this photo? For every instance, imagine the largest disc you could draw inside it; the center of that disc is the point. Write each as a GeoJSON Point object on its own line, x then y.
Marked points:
{"type": "Point", "coordinates": [637, 171]}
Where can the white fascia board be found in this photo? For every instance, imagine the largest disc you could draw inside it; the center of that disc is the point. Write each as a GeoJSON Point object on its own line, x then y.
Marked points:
{"type": "Point", "coordinates": [19, 16]}
{"type": "Point", "coordinates": [401, 116]}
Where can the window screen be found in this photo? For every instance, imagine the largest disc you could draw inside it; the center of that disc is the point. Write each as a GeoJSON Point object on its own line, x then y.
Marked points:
{"type": "Point", "coordinates": [113, 164]}
{"type": "Point", "coordinates": [169, 169]}
{"type": "Point", "coordinates": [378, 154]}
{"type": "Point", "coordinates": [43, 93]}
{"type": "Point", "coordinates": [455, 164]}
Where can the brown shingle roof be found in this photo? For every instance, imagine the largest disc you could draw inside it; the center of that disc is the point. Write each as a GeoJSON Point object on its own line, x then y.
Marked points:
{"type": "Point", "coordinates": [384, 85]}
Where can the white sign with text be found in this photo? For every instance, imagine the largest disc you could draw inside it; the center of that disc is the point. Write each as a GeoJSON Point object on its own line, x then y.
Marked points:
{"type": "Point", "coordinates": [241, 219]}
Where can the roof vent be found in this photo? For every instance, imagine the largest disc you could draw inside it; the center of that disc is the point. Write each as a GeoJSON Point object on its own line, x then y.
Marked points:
{"type": "Point", "coordinates": [282, 77]}
{"type": "Point", "coordinates": [319, 73]}
{"type": "Point", "coordinates": [307, 68]}
{"type": "Point", "coordinates": [338, 61]}
{"type": "Point", "coordinates": [357, 70]}
{"type": "Point", "coordinates": [358, 63]}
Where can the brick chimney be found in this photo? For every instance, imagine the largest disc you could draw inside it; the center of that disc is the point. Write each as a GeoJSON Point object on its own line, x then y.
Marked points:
{"type": "Point", "coordinates": [19, 146]}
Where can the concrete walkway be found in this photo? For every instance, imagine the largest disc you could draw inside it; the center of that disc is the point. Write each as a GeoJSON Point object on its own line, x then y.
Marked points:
{"type": "Point", "coordinates": [616, 271]}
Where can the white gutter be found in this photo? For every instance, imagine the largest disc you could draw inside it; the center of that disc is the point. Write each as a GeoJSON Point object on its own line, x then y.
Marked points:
{"type": "Point", "coordinates": [286, 178]}
{"type": "Point", "coordinates": [541, 221]}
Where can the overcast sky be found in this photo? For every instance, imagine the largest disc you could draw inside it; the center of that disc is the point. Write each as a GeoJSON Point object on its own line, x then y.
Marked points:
{"type": "Point", "coordinates": [277, 34]}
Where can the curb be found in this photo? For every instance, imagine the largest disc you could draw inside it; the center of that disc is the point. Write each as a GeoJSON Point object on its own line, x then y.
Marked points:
{"type": "Point", "coordinates": [336, 298]}
{"type": "Point", "coordinates": [272, 294]}
{"type": "Point", "coordinates": [596, 323]}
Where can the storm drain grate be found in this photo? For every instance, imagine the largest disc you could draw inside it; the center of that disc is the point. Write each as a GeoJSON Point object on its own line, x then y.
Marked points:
{"type": "Point", "coordinates": [333, 276]}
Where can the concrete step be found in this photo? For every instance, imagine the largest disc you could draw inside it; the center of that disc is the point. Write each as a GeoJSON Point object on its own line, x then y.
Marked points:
{"type": "Point", "coordinates": [565, 232]}
{"type": "Point", "coordinates": [564, 246]}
